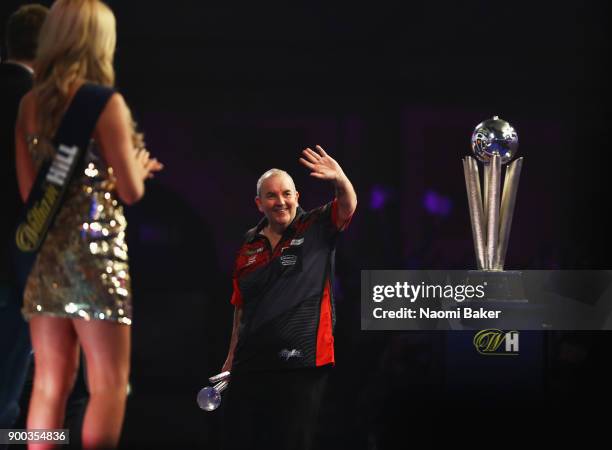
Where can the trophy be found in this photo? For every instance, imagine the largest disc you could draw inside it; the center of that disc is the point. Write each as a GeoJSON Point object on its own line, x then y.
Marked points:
{"type": "Point", "coordinates": [209, 397]}
{"type": "Point", "coordinates": [494, 143]}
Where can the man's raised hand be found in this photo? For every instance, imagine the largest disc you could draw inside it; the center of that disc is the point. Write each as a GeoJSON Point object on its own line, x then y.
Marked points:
{"type": "Point", "coordinates": [321, 164]}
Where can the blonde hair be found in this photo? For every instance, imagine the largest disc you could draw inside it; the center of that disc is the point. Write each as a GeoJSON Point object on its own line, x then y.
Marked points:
{"type": "Point", "coordinates": [76, 43]}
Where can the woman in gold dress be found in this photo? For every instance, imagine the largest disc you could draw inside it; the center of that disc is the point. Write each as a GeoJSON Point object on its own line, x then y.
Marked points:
{"type": "Point", "coordinates": [78, 291]}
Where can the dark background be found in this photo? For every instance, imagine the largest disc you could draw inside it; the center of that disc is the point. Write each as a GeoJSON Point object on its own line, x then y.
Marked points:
{"type": "Point", "coordinates": [224, 91]}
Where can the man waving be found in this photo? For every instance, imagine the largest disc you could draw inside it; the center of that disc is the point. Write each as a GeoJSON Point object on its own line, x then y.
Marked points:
{"type": "Point", "coordinates": [282, 342]}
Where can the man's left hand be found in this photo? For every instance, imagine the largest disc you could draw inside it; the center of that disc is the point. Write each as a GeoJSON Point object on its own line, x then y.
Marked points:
{"type": "Point", "coordinates": [325, 167]}
{"type": "Point", "coordinates": [321, 164]}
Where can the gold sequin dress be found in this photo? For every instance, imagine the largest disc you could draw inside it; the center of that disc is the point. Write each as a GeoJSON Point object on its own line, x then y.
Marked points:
{"type": "Point", "coordinates": [81, 270]}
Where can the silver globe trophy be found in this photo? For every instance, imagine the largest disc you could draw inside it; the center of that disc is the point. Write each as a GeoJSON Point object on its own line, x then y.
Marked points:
{"type": "Point", "coordinates": [209, 397]}
{"type": "Point", "coordinates": [494, 143]}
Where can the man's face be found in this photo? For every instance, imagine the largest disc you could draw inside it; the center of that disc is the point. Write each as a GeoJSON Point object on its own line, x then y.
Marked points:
{"type": "Point", "coordinates": [278, 200]}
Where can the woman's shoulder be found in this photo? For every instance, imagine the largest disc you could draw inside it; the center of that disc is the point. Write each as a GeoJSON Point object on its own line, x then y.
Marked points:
{"type": "Point", "coordinates": [117, 101]}
{"type": "Point", "coordinates": [26, 119]}
{"type": "Point", "coordinates": [28, 102]}
{"type": "Point", "coordinates": [114, 120]}
{"type": "Point", "coordinates": [29, 97]}
{"type": "Point", "coordinates": [115, 109]}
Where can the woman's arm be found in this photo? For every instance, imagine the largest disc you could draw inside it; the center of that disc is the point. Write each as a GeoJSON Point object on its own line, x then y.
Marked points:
{"type": "Point", "coordinates": [130, 167]}
{"type": "Point", "coordinates": [26, 172]}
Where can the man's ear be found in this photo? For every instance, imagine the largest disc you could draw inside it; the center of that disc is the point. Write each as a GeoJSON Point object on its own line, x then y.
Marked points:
{"type": "Point", "coordinates": [297, 197]}
{"type": "Point", "coordinates": [258, 203]}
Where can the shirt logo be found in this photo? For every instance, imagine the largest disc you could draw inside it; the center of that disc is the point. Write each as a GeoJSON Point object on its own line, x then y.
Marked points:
{"type": "Point", "coordinates": [297, 241]}
{"type": "Point", "coordinates": [253, 252]}
{"type": "Point", "coordinates": [251, 260]}
{"type": "Point", "coordinates": [287, 354]}
{"type": "Point", "coordinates": [288, 260]}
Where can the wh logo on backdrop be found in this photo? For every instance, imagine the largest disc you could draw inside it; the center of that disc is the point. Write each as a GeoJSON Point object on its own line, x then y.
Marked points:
{"type": "Point", "coordinates": [497, 342]}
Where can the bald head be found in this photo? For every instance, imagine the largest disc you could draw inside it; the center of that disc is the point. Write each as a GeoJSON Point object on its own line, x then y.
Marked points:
{"type": "Point", "coordinates": [273, 173]}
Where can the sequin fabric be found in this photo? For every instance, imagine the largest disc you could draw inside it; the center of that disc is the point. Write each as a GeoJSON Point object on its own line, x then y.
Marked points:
{"type": "Point", "coordinates": [82, 269]}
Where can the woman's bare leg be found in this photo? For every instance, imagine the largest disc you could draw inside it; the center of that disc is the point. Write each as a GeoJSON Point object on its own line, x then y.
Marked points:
{"type": "Point", "coordinates": [56, 357]}
{"type": "Point", "coordinates": [107, 351]}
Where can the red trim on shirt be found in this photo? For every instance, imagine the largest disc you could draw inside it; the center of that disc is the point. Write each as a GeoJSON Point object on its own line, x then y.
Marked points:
{"type": "Point", "coordinates": [236, 295]}
{"type": "Point", "coordinates": [334, 216]}
{"type": "Point", "coordinates": [325, 337]}
{"type": "Point", "coordinates": [250, 258]}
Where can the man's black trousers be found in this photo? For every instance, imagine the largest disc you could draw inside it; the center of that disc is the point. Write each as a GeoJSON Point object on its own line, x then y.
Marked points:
{"type": "Point", "coordinates": [273, 409]}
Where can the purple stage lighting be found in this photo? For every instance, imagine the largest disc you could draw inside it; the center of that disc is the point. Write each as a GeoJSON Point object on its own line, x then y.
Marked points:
{"type": "Point", "coordinates": [378, 198]}
{"type": "Point", "coordinates": [436, 204]}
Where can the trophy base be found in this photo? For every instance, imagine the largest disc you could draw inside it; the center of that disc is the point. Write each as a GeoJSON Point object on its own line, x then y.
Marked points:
{"type": "Point", "coordinates": [500, 286]}
{"type": "Point", "coordinates": [504, 292]}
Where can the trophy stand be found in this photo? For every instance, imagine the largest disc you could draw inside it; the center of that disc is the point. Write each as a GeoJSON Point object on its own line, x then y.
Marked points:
{"type": "Point", "coordinates": [494, 143]}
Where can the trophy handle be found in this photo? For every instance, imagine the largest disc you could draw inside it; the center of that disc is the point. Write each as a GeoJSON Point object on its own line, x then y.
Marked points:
{"type": "Point", "coordinates": [513, 173]}
{"type": "Point", "coordinates": [472, 184]}
{"type": "Point", "coordinates": [486, 170]}
{"type": "Point", "coordinates": [493, 210]}
{"type": "Point", "coordinates": [220, 377]}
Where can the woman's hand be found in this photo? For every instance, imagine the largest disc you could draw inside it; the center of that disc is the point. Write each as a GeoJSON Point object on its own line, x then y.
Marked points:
{"type": "Point", "coordinates": [147, 165]}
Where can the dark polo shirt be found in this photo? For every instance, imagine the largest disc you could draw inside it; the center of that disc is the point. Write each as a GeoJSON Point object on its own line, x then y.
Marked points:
{"type": "Point", "coordinates": [286, 296]}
